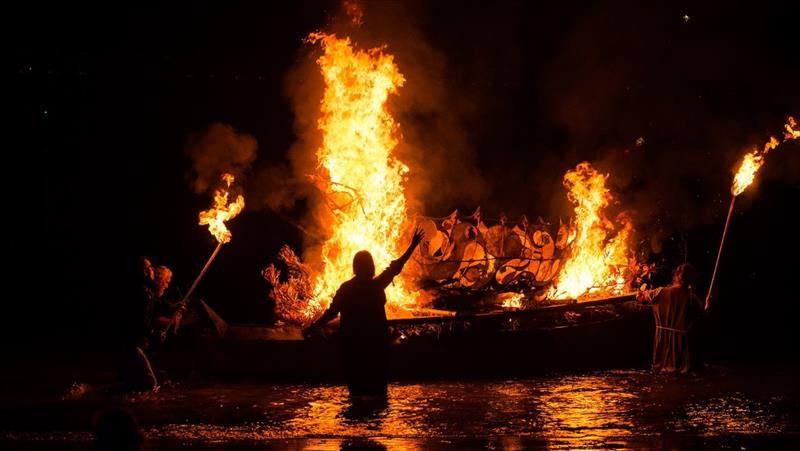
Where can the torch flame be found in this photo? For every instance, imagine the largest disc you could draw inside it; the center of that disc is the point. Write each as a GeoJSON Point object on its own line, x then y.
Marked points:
{"type": "Point", "coordinates": [595, 259]}
{"type": "Point", "coordinates": [753, 161]}
{"type": "Point", "coordinates": [361, 178]}
{"type": "Point", "coordinates": [222, 211]}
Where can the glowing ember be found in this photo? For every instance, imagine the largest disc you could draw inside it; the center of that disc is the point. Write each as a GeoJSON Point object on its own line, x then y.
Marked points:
{"type": "Point", "coordinates": [513, 300]}
{"type": "Point", "coordinates": [596, 260]}
{"type": "Point", "coordinates": [752, 161]}
{"type": "Point", "coordinates": [361, 178]}
{"type": "Point", "coordinates": [222, 211]}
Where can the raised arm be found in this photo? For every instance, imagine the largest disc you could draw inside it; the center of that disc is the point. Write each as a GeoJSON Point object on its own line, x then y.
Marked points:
{"type": "Point", "coordinates": [415, 240]}
{"type": "Point", "coordinates": [385, 278]}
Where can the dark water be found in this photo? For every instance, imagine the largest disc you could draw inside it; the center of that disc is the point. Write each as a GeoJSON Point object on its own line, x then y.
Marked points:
{"type": "Point", "coordinates": [740, 407]}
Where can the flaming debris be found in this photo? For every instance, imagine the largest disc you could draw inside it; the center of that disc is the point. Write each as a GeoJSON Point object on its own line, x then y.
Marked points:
{"type": "Point", "coordinates": [513, 300]}
{"type": "Point", "coordinates": [597, 260]}
{"type": "Point", "coordinates": [290, 295]}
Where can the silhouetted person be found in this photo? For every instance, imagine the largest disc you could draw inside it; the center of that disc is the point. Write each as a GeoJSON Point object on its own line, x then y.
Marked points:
{"type": "Point", "coordinates": [363, 326]}
{"type": "Point", "coordinates": [116, 430]}
{"type": "Point", "coordinates": [133, 367]}
{"type": "Point", "coordinates": [674, 307]}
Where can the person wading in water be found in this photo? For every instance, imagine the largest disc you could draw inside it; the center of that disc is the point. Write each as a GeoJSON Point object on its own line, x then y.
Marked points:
{"type": "Point", "coordinates": [364, 330]}
{"type": "Point", "coordinates": [675, 308]}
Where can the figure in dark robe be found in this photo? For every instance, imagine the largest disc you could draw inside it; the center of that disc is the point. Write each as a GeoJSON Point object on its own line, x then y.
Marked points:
{"type": "Point", "coordinates": [363, 326]}
{"type": "Point", "coordinates": [675, 308]}
{"type": "Point", "coordinates": [133, 367]}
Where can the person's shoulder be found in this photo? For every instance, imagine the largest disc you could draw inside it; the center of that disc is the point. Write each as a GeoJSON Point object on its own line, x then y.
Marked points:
{"type": "Point", "coordinates": [347, 285]}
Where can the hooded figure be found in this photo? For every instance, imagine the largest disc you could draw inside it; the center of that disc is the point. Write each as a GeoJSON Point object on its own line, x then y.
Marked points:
{"type": "Point", "coordinates": [674, 309]}
{"type": "Point", "coordinates": [363, 326]}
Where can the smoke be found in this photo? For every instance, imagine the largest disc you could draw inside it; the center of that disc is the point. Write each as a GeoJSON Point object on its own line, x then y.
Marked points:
{"type": "Point", "coordinates": [434, 141]}
{"type": "Point", "coordinates": [639, 92]}
{"type": "Point", "coordinates": [217, 150]}
{"type": "Point", "coordinates": [494, 112]}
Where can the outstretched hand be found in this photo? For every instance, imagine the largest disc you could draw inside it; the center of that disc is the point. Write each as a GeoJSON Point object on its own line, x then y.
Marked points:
{"type": "Point", "coordinates": [419, 235]}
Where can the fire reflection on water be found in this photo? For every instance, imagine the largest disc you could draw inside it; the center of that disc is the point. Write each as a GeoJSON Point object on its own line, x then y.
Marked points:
{"type": "Point", "coordinates": [631, 408]}
{"type": "Point", "coordinates": [581, 411]}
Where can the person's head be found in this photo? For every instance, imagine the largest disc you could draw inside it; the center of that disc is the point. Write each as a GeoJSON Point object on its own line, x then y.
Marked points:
{"type": "Point", "coordinates": [685, 276]}
{"type": "Point", "coordinates": [147, 269]}
{"type": "Point", "coordinates": [162, 277]}
{"type": "Point", "coordinates": [363, 266]}
{"type": "Point", "coordinates": [117, 430]}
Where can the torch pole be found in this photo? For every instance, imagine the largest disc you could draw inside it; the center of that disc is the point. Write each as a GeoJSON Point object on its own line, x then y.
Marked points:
{"type": "Point", "coordinates": [719, 253]}
{"type": "Point", "coordinates": [175, 320]}
{"type": "Point", "coordinates": [202, 273]}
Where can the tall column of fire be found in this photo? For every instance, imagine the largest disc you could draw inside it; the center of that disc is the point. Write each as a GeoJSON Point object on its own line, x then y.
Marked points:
{"type": "Point", "coordinates": [360, 177]}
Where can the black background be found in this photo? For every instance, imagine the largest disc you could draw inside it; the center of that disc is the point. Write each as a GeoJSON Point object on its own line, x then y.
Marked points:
{"type": "Point", "coordinates": [101, 102]}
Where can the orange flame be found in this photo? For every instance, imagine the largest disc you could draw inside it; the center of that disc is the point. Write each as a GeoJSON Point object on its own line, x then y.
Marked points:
{"type": "Point", "coordinates": [512, 300]}
{"type": "Point", "coordinates": [222, 211]}
{"type": "Point", "coordinates": [595, 259]}
{"type": "Point", "coordinates": [361, 178]}
{"type": "Point", "coordinates": [753, 161]}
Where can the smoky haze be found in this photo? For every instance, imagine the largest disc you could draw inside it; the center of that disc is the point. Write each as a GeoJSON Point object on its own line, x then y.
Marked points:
{"type": "Point", "coordinates": [218, 150]}
{"type": "Point", "coordinates": [493, 113]}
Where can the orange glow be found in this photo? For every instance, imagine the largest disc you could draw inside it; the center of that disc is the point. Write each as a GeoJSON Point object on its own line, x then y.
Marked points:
{"type": "Point", "coordinates": [596, 258]}
{"type": "Point", "coordinates": [222, 211]}
{"type": "Point", "coordinates": [362, 180]}
{"type": "Point", "coordinates": [753, 161]}
{"type": "Point", "coordinates": [512, 300]}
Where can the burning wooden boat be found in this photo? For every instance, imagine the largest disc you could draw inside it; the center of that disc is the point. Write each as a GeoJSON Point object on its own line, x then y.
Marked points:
{"type": "Point", "coordinates": [558, 335]}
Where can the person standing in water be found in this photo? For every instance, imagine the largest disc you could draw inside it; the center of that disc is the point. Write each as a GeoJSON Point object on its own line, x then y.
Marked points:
{"type": "Point", "coordinates": [363, 328]}
{"type": "Point", "coordinates": [675, 308]}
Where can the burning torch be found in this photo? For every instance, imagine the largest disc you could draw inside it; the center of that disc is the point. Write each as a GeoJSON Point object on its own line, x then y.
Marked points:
{"type": "Point", "coordinates": [215, 218]}
{"type": "Point", "coordinates": [744, 177]}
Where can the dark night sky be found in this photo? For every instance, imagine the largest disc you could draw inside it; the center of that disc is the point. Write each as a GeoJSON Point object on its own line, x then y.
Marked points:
{"type": "Point", "coordinates": [502, 98]}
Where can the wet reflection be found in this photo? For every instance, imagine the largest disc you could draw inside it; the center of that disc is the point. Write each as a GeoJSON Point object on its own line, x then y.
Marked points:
{"type": "Point", "coordinates": [366, 408]}
{"type": "Point", "coordinates": [584, 411]}
{"type": "Point", "coordinates": [732, 414]}
{"type": "Point", "coordinates": [599, 410]}
{"type": "Point", "coordinates": [362, 445]}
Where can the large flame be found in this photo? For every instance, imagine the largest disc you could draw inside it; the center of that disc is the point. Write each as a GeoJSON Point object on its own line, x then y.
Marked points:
{"type": "Point", "coordinates": [222, 211]}
{"type": "Point", "coordinates": [752, 161]}
{"type": "Point", "coordinates": [361, 178]}
{"type": "Point", "coordinates": [596, 259]}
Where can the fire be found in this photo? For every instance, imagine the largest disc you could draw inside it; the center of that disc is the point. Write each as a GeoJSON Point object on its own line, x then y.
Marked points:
{"type": "Point", "coordinates": [361, 178]}
{"type": "Point", "coordinates": [513, 300]}
{"type": "Point", "coordinates": [596, 259]}
{"type": "Point", "coordinates": [754, 160]}
{"type": "Point", "coordinates": [222, 211]}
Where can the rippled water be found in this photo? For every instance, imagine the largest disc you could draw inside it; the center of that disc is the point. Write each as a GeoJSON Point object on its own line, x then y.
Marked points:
{"type": "Point", "coordinates": [631, 408]}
